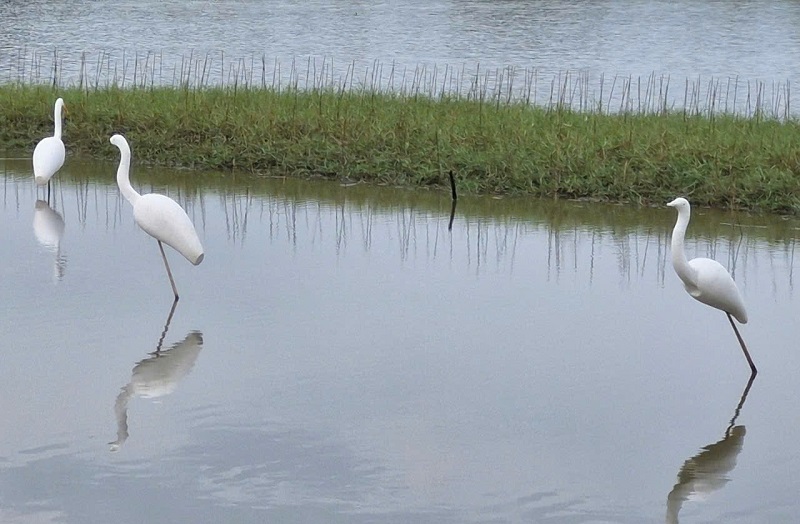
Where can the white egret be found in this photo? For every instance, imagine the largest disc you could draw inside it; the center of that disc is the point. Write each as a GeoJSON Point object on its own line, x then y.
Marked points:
{"type": "Point", "coordinates": [48, 156]}
{"type": "Point", "coordinates": [705, 279]}
{"type": "Point", "coordinates": [159, 216]}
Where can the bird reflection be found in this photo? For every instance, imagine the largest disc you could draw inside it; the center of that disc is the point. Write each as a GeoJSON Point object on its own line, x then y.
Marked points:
{"type": "Point", "coordinates": [48, 226]}
{"type": "Point", "coordinates": [708, 471]}
{"type": "Point", "coordinates": [157, 375]}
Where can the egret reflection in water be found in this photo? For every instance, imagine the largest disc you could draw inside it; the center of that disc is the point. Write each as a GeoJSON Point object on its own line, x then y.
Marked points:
{"type": "Point", "coordinates": [708, 471]}
{"type": "Point", "coordinates": [48, 227]}
{"type": "Point", "coordinates": [157, 375]}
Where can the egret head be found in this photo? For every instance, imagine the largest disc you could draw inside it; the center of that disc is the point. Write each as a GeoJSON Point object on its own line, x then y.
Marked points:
{"type": "Point", "coordinates": [119, 141]}
{"type": "Point", "coordinates": [679, 203]}
{"type": "Point", "coordinates": [61, 106]}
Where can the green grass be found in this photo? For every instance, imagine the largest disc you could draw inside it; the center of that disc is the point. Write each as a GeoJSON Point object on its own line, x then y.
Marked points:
{"type": "Point", "coordinates": [494, 148]}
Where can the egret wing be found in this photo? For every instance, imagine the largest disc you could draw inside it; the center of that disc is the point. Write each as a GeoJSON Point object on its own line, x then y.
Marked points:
{"type": "Point", "coordinates": [48, 157]}
{"type": "Point", "coordinates": [163, 219]}
{"type": "Point", "coordinates": [716, 287]}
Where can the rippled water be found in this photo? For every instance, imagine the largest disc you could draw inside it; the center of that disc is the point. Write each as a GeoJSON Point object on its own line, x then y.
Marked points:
{"type": "Point", "coordinates": [339, 356]}
{"type": "Point", "coordinates": [704, 55]}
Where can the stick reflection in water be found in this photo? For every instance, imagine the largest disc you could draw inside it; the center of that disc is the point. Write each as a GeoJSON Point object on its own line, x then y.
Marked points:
{"type": "Point", "coordinates": [455, 201]}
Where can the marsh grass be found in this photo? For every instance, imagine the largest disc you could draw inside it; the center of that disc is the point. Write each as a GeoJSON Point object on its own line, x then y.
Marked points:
{"type": "Point", "coordinates": [493, 145]}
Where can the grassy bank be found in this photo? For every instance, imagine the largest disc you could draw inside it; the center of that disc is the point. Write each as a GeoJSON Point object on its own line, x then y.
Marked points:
{"type": "Point", "coordinates": [724, 161]}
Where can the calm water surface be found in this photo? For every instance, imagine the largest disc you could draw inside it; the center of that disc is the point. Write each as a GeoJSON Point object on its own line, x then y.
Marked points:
{"type": "Point", "coordinates": [339, 356]}
{"type": "Point", "coordinates": [429, 45]}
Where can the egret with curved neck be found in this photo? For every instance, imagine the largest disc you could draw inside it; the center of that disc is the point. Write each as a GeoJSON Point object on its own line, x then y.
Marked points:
{"type": "Point", "coordinates": [706, 280]}
{"type": "Point", "coordinates": [48, 156]}
{"type": "Point", "coordinates": [158, 215]}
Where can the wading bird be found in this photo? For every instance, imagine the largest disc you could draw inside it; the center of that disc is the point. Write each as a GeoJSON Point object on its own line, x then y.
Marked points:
{"type": "Point", "coordinates": [705, 279]}
{"type": "Point", "coordinates": [48, 156]}
{"type": "Point", "coordinates": [158, 215]}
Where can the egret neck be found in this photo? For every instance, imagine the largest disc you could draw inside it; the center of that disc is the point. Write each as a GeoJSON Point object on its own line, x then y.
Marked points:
{"type": "Point", "coordinates": [686, 273]}
{"type": "Point", "coordinates": [57, 118]}
{"type": "Point", "coordinates": [123, 178]}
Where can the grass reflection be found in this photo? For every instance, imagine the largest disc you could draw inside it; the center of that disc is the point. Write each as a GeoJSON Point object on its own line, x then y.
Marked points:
{"type": "Point", "coordinates": [488, 234]}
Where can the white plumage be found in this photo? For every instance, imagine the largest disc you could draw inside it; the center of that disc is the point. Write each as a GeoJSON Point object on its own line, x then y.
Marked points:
{"type": "Point", "coordinates": [705, 279]}
{"type": "Point", "coordinates": [48, 156]}
{"type": "Point", "coordinates": [159, 216]}
{"type": "Point", "coordinates": [164, 219]}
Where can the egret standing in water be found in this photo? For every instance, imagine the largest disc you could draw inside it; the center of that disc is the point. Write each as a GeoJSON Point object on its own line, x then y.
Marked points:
{"type": "Point", "coordinates": [48, 156]}
{"type": "Point", "coordinates": [705, 279]}
{"type": "Point", "coordinates": [160, 216]}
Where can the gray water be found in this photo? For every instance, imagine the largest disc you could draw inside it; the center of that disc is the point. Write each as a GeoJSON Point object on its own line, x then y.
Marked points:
{"type": "Point", "coordinates": [340, 356]}
{"type": "Point", "coordinates": [624, 55]}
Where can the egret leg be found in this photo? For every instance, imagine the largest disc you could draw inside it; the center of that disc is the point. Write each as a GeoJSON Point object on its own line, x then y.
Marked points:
{"type": "Point", "coordinates": [48, 192]}
{"type": "Point", "coordinates": [741, 343]}
{"type": "Point", "coordinates": [169, 273]}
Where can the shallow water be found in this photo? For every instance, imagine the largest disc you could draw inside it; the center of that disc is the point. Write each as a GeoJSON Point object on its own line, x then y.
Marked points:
{"type": "Point", "coordinates": [339, 356]}
{"type": "Point", "coordinates": [726, 47]}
